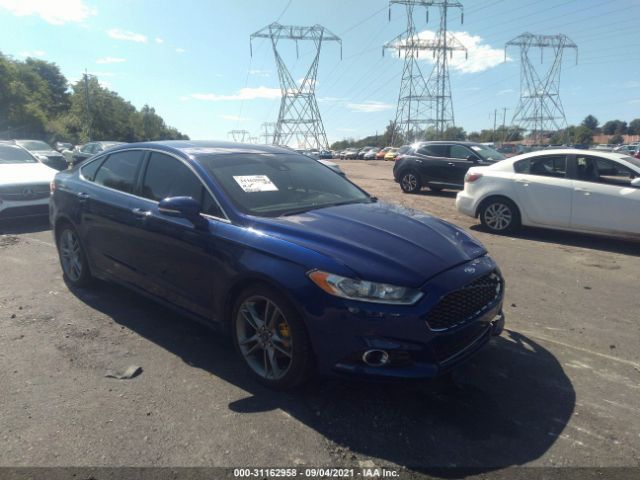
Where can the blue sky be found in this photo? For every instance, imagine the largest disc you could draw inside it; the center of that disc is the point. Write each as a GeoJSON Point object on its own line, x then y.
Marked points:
{"type": "Point", "coordinates": [190, 59]}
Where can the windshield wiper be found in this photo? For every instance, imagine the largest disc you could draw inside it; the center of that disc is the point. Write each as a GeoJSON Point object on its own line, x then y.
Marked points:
{"type": "Point", "coordinates": [326, 205]}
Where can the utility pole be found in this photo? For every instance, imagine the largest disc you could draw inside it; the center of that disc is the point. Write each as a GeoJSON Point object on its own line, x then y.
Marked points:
{"type": "Point", "coordinates": [268, 130]}
{"type": "Point", "coordinates": [299, 115]}
{"type": "Point", "coordinates": [495, 116]}
{"type": "Point", "coordinates": [540, 110]}
{"type": "Point", "coordinates": [421, 103]}
{"type": "Point", "coordinates": [239, 136]}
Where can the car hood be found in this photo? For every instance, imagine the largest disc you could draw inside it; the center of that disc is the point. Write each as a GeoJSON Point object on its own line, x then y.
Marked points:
{"type": "Point", "coordinates": [378, 241]}
{"type": "Point", "coordinates": [21, 173]}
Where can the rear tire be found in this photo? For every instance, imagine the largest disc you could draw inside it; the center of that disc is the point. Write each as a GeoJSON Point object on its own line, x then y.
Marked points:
{"type": "Point", "coordinates": [271, 338]}
{"type": "Point", "coordinates": [499, 215]}
{"type": "Point", "coordinates": [73, 258]}
{"type": "Point", "coordinates": [410, 181]}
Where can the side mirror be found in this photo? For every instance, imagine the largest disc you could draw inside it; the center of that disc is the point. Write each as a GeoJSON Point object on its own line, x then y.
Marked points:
{"type": "Point", "coordinates": [181, 207]}
{"type": "Point", "coordinates": [473, 158]}
{"type": "Point", "coordinates": [635, 182]}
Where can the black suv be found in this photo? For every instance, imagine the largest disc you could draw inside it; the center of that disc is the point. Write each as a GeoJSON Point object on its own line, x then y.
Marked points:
{"type": "Point", "coordinates": [440, 165]}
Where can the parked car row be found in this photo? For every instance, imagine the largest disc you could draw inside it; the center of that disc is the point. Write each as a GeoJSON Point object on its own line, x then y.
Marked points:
{"type": "Point", "coordinates": [567, 189]}
{"type": "Point", "coordinates": [371, 153]}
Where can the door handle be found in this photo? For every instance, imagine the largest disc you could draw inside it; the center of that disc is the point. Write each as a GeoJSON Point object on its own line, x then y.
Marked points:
{"type": "Point", "coordinates": [140, 213]}
{"type": "Point", "coordinates": [523, 182]}
{"type": "Point", "coordinates": [584, 191]}
{"type": "Point", "coordinates": [451, 164]}
{"type": "Point", "coordinates": [82, 196]}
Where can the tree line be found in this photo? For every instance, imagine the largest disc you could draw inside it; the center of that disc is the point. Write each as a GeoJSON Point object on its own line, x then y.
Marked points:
{"type": "Point", "coordinates": [573, 134]}
{"type": "Point", "coordinates": [38, 102]}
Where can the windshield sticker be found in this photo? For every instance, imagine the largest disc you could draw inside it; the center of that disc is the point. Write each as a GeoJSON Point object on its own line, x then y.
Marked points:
{"type": "Point", "coordinates": [477, 149]}
{"type": "Point", "coordinates": [255, 183]}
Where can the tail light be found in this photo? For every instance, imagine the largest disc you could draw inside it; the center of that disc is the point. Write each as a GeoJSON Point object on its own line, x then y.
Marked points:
{"type": "Point", "coordinates": [52, 186]}
{"type": "Point", "coordinates": [472, 177]}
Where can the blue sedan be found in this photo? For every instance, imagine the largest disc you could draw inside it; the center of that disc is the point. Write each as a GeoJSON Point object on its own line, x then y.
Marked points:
{"type": "Point", "coordinates": [305, 270]}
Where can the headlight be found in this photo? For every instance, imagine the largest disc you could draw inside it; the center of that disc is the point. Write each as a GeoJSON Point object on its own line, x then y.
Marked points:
{"type": "Point", "coordinates": [362, 290]}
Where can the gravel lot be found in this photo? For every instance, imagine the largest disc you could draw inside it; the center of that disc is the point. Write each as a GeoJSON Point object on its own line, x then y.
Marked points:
{"type": "Point", "coordinates": [561, 387]}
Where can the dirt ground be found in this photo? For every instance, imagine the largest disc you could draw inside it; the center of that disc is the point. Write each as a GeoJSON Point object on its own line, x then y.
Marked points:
{"type": "Point", "coordinates": [560, 387]}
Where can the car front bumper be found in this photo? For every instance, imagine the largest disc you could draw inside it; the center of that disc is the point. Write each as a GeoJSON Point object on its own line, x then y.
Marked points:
{"type": "Point", "coordinates": [23, 208]}
{"type": "Point", "coordinates": [342, 331]}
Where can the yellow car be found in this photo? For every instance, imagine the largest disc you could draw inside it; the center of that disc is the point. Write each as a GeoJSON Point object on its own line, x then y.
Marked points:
{"type": "Point", "coordinates": [380, 155]}
{"type": "Point", "coordinates": [391, 154]}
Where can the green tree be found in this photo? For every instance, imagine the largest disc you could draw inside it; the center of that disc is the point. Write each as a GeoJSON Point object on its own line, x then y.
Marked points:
{"type": "Point", "coordinates": [634, 127]}
{"type": "Point", "coordinates": [590, 122]}
{"type": "Point", "coordinates": [616, 139]}
{"type": "Point", "coordinates": [582, 135]}
{"type": "Point", "coordinates": [614, 127]}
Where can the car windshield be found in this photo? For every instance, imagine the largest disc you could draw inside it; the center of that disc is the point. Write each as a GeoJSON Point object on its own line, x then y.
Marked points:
{"type": "Point", "coordinates": [487, 153]}
{"type": "Point", "coordinates": [280, 184]}
{"type": "Point", "coordinates": [33, 145]}
{"type": "Point", "coordinates": [15, 154]}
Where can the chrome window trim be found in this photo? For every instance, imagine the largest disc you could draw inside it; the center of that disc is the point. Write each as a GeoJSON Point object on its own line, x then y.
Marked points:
{"type": "Point", "coordinates": [144, 149]}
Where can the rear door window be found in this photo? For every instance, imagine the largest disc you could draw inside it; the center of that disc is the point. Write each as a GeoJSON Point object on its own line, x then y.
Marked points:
{"type": "Point", "coordinates": [166, 176]}
{"type": "Point", "coordinates": [434, 150]}
{"type": "Point", "coordinates": [547, 166]}
{"type": "Point", "coordinates": [119, 170]}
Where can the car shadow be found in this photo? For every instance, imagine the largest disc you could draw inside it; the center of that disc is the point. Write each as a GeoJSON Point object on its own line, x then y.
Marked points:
{"type": "Point", "coordinates": [583, 240]}
{"type": "Point", "coordinates": [506, 407]}
{"type": "Point", "coordinates": [17, 226]}
{"type": "Point", "coordinates": [442, 193]}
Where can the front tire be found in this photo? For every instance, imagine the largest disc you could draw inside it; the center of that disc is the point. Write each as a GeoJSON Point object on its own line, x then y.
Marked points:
{"type": "Point", "coordinates": [410, 182]}
{"type": "Point", "coordinates": [271, 338]}
{"type": "Point", "coordinates": [499, 215]}
{"type": "Point", "coordinates": [73, 259]}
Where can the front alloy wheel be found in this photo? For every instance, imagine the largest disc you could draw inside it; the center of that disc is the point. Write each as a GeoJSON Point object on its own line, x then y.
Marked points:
{"type": "Point", "coordinates": [271, 339]}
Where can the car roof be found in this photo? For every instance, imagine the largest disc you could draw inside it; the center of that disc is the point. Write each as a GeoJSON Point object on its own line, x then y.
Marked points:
{"type": "Point", "coordinates": [196, 148]}
{"type": "Point", "coordinates": [502, 164]}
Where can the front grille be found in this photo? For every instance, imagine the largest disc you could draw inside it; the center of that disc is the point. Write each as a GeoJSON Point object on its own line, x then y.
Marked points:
{"type": "Point", "coordinates": [462, 305]}
{"type": "Point", "coordinates": [31, 210]}
{"type": "Point", "coordinates": [20, 193]}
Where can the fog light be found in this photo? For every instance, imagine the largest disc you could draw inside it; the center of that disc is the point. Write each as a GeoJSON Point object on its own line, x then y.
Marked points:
{"type": "Point", "coordinates": [375, 358]}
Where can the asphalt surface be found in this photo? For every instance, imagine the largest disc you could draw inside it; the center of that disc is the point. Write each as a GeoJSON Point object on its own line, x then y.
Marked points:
{"type": "Point", "coordinates": [560, 387]}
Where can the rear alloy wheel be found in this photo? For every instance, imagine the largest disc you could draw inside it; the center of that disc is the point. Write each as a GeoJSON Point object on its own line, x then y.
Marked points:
{"type": "Point", "coordinates": [271, 339]}
{"type": "Point", "coordinates": [410, 182]}
{"type": "Point", "coordinates": [72, 257]}
{"type": "Point", "coordinates": [500, 215]}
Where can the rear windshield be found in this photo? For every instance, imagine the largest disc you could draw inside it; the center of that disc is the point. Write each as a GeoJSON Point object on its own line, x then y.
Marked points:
{"type": "Point", "coordinates": [280, 184]}
{"type": "Point", "coordinates": [15, 154]}
{"type": "Point", "coordinates": [33, 145]}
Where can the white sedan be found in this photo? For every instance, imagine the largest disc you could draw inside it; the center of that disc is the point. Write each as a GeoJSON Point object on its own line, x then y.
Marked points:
{"type": "Point", "coordinates": [24, 183]}
{"type": "Point", "coordinates": [567, 189]}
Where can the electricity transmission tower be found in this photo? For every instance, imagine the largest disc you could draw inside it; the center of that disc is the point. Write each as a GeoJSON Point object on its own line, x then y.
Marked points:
{"type": "Point", "coordinates": [424, 103]}
{"type": "Point", "coordinates": [299, 116]}
{"type": "Point", "coordinates": [540, 110]}
{"type": "Point", "coordinates": [240, 136]}
{"type": "Point", "coordinates": [268, 130]}
{"type": "Point", "coordinates": [253, 140]}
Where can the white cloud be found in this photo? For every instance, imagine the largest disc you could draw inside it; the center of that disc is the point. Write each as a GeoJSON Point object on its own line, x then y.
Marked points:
{"type": "Point", "coordinates": [236, 118]}
{"type": "Point", "coordinates": [370, 106]}
{"type": "Point", "coordinates": [481, 56]}
{"type": "Point", "coordinates": [120, 34]}
{"type": "Point", "coordinates": [260, 73]}
{"type": "Point", "coordinates": [159, 40]}
{"type": "Point", "coordinates": [56, 13]}
{"type": "Point", "coordinates": [506, 91]}
{"type": "Point", "coordinates": [242, 94]}
{"type": "Point", "coordinates": [32, 53]}
{"type": "Point", "coordinates": [106, 60]}
{"type": "Point", "coordinates": [180, 50]}
{"type": "Point", "coordinates": [632, 84]}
